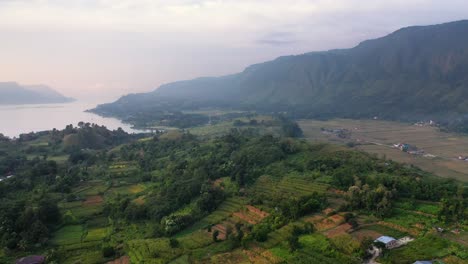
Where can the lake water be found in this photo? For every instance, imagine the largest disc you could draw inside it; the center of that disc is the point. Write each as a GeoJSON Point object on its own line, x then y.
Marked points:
{"type": "Point", "coordinates": [18, 119]}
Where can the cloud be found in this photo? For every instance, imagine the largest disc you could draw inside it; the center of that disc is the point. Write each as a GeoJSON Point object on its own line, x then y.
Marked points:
{"type": "Point", "coordinates": [278, 39]}
{"type": "Point", "coordinates": [135, 45]}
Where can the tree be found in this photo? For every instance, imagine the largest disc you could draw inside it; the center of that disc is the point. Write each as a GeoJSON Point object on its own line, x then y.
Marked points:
{"type": "Point", "coordinates": [49, 212]}
{"type": "Point", "coordinates": [173, 243]}
{"type": "Point", "coordinates": [215, 235]}
{"type": "Point", "coordinates": [108, 251]}
{"type": "Point", "coordinates": [293, 242]}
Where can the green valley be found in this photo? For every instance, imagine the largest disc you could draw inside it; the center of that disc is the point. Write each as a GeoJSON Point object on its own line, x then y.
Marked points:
{"type": "Point", "coordinates": [244, 190]}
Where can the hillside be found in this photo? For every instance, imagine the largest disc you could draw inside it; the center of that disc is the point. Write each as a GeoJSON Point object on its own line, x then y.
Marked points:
{"type": "Point", "coordinates": [14, 93]}
{"type": "Point", "coordinates": [414, 73]}
{"type": "Point", "coordinates": [242, 197]}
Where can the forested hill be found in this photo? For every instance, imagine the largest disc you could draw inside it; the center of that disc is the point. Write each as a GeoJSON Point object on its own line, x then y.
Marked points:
{"type": "Point", "coordinates": [12, 93]}
{"type": "Point", "coordinates": [414, 73]}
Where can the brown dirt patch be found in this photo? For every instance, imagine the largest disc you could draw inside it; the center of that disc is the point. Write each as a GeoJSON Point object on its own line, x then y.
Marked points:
{"type": "Point", "coordinates": [419, 226]}
{"type": "Point", "coordinates": [453, 260]}
{"type": "Point", "coordinates": [257, 211]}
{"type": "Point", "coordinates": [222, 231]}
{"type": "Point", "coordinates": [217, 183]}
{"type": "Point", "coordinates": [339, 230]}
{"type": "Point", "coordinates": [329, 222]}
{"type": "Point", "coordinates": [93, 200]}
{"type": "Point", "coordinates": [121, 260]}
{"type": "Point", "coordinates": [399, 228]}
{"type": "Point", "coordinates": [140, 200]}
{"type": "Point", "coordinates": [314, 219]}
{"type": "Point", "coordinates": [251, 215]}
{"type": "Point", "coordinates": [364, 233]}
{"type": "Point", "coordinates": [245, 217]}
{"type": "Point", "coordinates": [336, 191]}
{"type": "Point", "coordinates": [328, 211]}
{"type": "Point", "coordinates": [259, 255]}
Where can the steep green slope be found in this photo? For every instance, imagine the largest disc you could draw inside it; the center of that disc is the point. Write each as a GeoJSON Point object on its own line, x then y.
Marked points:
{"type": "Point", "coordinates": [413, 73]}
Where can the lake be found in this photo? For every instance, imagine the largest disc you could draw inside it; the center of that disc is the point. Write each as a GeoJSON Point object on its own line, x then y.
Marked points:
{"type": "Point", "coordinates": [18, 119]}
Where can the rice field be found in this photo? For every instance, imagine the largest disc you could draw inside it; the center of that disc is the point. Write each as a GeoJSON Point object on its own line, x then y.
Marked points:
{"type": "Point", "coordinates": [377, 136]}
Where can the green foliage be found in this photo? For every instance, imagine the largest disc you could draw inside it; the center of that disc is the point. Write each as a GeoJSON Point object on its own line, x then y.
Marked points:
{"type": "Point", "coordinates": [154, 199]}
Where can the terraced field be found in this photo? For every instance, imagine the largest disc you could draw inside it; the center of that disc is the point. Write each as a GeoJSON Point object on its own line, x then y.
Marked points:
{"type": "Point", "coordinates": [223, 212]}
{"type": "Point", "coordinates": [122, 167]}
{"type": "Point", "coordinates": [151, 251]}
{"type": "Point", "coordinates": [290, 185]}
{"type": "Point", "coordinates": [278, 236]}
{"type": "Point", "coordinates": [68, 235]}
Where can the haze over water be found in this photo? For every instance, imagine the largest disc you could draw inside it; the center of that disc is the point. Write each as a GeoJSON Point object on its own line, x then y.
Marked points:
{"type": "Point", "coordinates": [18, 119]}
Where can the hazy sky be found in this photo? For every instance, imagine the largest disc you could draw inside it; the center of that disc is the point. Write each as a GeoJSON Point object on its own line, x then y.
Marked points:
{"type": "Point", "coordinates": [106, 48]}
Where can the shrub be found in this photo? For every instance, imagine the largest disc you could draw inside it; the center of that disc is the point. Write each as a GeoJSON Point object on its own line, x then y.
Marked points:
{"type": "Point", "coordinates": [108, 251]}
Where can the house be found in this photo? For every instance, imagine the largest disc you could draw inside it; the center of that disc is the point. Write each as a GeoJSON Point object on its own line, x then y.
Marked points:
{"type": "Point", "coordinates": [423, 262]}
{"type": "Point", "coordinates": [388, 241]}
{"type": "Point", "coordinates": [31, 260]}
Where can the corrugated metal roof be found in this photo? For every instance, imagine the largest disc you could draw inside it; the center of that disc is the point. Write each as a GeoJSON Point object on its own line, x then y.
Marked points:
{"type": "Point", "coordinates": [423, 262]}
{"type": "Point", "coordinates": [385, 239]}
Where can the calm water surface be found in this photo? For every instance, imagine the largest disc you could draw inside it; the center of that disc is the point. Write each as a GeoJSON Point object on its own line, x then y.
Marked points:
{"type": "Point", "coordinates": [18, 119]}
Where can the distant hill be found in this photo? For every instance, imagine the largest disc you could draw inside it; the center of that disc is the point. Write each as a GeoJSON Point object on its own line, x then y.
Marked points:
{"type": "Point", "coordinates": [14, 93]}
{"type": "Point", "coordinates": [414, 73]}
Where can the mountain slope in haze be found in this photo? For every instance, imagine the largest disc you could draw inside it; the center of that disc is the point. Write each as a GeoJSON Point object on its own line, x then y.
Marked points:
{"type": "Point", "coordinates": [413, 73]}
{"type": "Point", "coordinates": [14, 93]}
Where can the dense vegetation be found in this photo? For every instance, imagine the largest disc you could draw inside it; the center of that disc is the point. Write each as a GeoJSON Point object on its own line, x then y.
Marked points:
{"type": "Point", "coordinates": [174, 196]}
{"type": "Point", "coordinates": [413, 74]}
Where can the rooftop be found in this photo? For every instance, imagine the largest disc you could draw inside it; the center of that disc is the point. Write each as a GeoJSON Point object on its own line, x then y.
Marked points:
{"type": "Point", "coordinates": [385, 239]}
{"type": "Point", "coordinates": [31, 260]}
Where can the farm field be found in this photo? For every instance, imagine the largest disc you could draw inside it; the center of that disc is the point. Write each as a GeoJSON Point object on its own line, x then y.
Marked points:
{"type": "Point", "coordinates": [294, 186]}
{"type": "Point", "coordinates": [375, 136]}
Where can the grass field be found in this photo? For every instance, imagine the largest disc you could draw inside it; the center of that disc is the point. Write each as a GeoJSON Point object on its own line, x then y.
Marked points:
{"type": "Point", "coordinates": [68, 235]}
{"type": "Point", "coordinates": [377, 137]}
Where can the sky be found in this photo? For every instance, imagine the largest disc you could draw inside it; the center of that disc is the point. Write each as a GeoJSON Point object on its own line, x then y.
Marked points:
{"type": "Point", "coordinates": [102, 49]}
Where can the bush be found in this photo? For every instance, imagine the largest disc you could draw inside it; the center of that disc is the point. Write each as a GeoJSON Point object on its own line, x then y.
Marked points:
{"type": "Point", "coordinates": [173, 243]}
{"type": "Point", "coordinates": [108, 252]}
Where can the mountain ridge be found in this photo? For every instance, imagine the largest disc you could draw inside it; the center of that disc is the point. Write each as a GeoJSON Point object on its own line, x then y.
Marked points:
{"type": "Point", "coordinates": [413, 73]}
{"type": "Point", "coordinates": [12, 93]}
